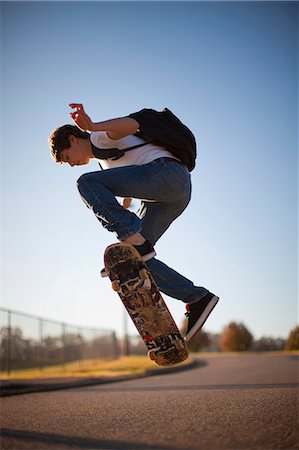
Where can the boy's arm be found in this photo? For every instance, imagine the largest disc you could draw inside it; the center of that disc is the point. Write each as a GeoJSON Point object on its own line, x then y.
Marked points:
{"type": "Point", "coordinates": [115, 128]}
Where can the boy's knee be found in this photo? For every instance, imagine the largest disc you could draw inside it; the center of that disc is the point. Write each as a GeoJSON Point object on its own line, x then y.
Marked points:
{"type": "Point", "coordinates": [81, 180]}
{"type": "Point", "coordinates": [85, 179]}
{"type": "Point", "coordinates": [87, 182]}
{"type": "Point", "coordinates": [83, 184]}
{"type": "Point", "coordinates": [80, 184]}
{"type": "Point", "coordinates": [89, 177]}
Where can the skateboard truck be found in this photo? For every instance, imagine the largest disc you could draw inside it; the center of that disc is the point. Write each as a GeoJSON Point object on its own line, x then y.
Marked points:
{"type": "Point", "coordinates": [170, 343]}
{"type": "Point", "coordinates": [152, 353]}
{"type": "Point", "coordinates": [142, 280]}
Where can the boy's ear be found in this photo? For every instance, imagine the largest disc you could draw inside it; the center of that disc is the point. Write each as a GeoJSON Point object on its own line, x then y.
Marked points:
{"type": "Point", "coordinates": [72, 139]}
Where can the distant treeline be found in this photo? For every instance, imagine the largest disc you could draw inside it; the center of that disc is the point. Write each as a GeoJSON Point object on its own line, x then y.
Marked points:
{"type": "Point", "coordinates": [236, 337]}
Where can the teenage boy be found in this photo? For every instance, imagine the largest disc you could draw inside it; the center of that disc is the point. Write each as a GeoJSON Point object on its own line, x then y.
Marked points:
{"type": "Point", "coordinates": [148, 172]}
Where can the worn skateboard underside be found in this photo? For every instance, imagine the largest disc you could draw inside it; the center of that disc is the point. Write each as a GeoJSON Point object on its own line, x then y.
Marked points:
{"type": "Point", "coordinates": [144, 303]}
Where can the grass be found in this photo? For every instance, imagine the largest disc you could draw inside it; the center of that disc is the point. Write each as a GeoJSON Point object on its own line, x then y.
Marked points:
{"type": "Point", "coordinates": [126, 365]}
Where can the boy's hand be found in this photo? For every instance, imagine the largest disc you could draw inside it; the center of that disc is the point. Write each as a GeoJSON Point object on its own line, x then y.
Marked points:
{"type": "Point", "coordinates": [115, 128]}
{"type": "Point", "coordinates": [127, 202]}
{"type": "Point", "coordinates": [79, 116]}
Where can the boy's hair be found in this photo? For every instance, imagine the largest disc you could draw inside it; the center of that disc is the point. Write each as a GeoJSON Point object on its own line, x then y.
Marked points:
{"type": "Point", "coordinates": [59, 139]}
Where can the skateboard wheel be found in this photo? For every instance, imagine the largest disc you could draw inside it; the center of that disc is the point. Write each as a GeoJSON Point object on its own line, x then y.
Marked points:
{"type": "Point", "coordinates": [143, 274]}
{"type": "Point", "coordinates": [151, 355]}
{"type": "Point", "coordinates": [115, 285]}
{"type": "Point", "coordinates": [179, 345]}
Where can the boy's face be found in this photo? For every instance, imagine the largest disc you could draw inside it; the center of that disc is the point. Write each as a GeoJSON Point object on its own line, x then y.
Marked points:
{"type": "Point", "coordinates": [77, 154]}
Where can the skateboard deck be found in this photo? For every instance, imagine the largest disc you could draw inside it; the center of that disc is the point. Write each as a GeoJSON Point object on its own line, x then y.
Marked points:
{"type": "Point", "coordinates": [141, 297]}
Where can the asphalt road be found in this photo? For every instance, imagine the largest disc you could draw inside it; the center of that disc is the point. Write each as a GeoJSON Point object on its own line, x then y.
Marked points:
{"type": "Point", "coordinates": [227, 402]}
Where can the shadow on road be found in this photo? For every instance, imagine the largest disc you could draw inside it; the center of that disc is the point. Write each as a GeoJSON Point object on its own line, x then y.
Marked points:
{"type": "Point", "coordinates": [72, 441]}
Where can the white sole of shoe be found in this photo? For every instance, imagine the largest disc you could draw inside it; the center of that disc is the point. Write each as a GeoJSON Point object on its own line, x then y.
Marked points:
{"type": "Point", "coordinates": [149, 256]}
{"type": "Point", "coordinates": [200, 322]}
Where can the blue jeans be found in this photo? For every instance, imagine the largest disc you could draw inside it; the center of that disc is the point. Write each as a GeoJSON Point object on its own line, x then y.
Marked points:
{"type": "Point", "coordinates": [164, 188]}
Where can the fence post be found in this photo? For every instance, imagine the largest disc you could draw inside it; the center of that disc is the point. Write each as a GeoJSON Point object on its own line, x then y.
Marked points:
{"type": "Point", "coordinates": [40, 346]}
{"type": "Point", "coordinates": [114, 345]}
{"type": "Point", "coordinates": [8, 353]}
{"type": "Point", "coordinates": [126, 339]}
{"type": "Point", "coordinates": [63, 345]}
{"type": "Point", "coordinates": [81, 365]}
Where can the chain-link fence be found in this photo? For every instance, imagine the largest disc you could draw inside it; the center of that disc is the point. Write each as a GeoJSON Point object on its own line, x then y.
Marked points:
{"type": "Point", "coordinates": [27, 341]}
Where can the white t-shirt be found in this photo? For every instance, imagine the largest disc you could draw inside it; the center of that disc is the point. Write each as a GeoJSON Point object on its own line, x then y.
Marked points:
{"type": "Point", "coordinates": [138, 156]}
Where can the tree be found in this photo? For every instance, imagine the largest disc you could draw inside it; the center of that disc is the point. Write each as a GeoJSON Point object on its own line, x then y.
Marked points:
{"type": "Point", "coordinates": [293, 339]}
{"type": "Point", "coordinates": [268, 344]}
{"type": "Point", "coordinates": [235, 338]}
{"type": "Point", "coordinates": [199, 341]}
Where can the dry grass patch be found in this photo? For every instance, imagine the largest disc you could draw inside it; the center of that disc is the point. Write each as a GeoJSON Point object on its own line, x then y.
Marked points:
{"type": "Point", "coordinates": [127, 365]}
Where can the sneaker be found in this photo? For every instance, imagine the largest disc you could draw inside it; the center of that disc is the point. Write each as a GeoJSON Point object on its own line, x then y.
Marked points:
{"type": "Point", "coordinates": [197, 313]}
{"type": "Point", "coordinates": [146, 250]}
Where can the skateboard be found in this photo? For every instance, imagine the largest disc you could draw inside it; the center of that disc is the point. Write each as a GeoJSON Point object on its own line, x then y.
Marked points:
{"type": "Point", "coordinates": [141, 297]}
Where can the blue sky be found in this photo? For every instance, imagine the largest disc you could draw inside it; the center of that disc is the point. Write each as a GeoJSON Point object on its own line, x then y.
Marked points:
{"type": "Point", "coordinates": [229, 71]}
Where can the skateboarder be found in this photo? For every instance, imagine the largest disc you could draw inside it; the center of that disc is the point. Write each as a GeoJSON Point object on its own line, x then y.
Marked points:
{"type": "Point", "coordinates": [149, 173]}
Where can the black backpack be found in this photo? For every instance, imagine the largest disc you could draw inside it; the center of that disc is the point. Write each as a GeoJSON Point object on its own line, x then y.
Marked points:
{"type": "Point", "coordinates": [160, 128]}
{"type": "Point", "coordinates": [164, 128]}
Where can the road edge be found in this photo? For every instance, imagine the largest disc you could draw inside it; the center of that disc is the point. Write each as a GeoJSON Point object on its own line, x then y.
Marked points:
{"type": "Point", "coordinates": [18, 387]}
